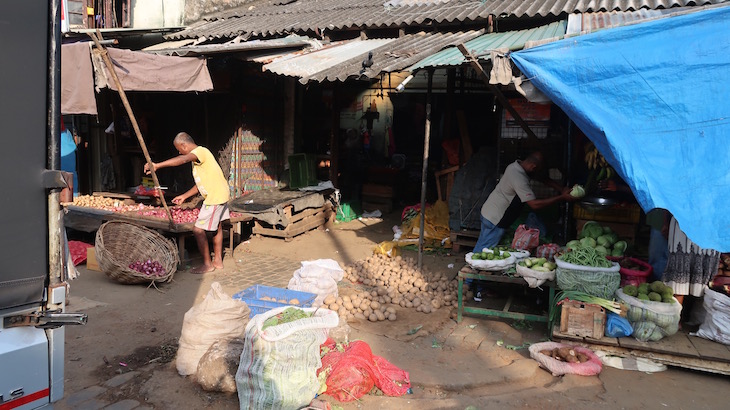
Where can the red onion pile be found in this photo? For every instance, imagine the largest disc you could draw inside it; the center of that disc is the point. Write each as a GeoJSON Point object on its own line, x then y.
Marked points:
{"type": "Point", "coordinates": [149, 268]}
{"type": "Point", "coordinates": [179, 216]}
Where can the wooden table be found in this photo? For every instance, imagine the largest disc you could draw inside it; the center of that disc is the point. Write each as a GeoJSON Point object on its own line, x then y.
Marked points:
{"type": "Point", "coordinates": [497, 277]}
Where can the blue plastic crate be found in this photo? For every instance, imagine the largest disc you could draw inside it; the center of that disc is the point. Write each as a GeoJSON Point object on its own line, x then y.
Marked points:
{"type": "Point", "coordinates": [252, 296]}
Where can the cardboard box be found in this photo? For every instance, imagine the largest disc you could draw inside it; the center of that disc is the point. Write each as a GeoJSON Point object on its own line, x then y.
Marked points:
{"type": "Point", "coordinates": [91, 262]}
{"type": "Point", "coordinates": [582, 319]}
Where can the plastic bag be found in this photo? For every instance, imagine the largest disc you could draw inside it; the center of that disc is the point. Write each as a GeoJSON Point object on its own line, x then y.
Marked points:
{"type": "Point", "coordinates": [652, 321]}
{"type": "Point", "coordinates": [532, 277]}
{"type": "Point", "coordinates": [217, 317]}
{"type": "Point", "coordinates": [388, 248]}
{"type": "Point", "coordinates": [547, 251]}
{"type": "Point", "coordinates": [278, 367]}
{"type": "Point", "coordinates": [218, 366]}
{"type": "Point", "coordinates": [526, 238]}
{"type": "Point", "coordinates": [716, 325]}
{"type": "Point", "coordinates": [319, 277]}
{"type": "Point", "coordinates": [352, 370]}
{"type": "Point", "coordinates": [617, 326]}
{"type": "Point", "coordinates": [558, 368]}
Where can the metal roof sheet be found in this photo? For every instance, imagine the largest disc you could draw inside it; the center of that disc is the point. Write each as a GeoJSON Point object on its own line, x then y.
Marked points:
{"type": "Point", "coordinates": [187, 50]}
{"type": "Point", "coordinates": [586, 22]}
{"type": "Point", "coordinates": [482, 45]}
{"type": "Point", "coordinates": [309, 64]}
{"type": "Point", "coordinates": [265, 17]}
{"type": "Point", "coordinates": [393, 56]}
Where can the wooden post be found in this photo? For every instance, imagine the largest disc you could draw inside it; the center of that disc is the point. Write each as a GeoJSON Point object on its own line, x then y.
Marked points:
{"type": "Point", "coordinates": [424, 172]}
{"type": "Point", "coordinates": [335, 139]}
{"type": "Point", "coordinates": [497, 93]}
{"type": "Point", "coordinates": [132, 119]}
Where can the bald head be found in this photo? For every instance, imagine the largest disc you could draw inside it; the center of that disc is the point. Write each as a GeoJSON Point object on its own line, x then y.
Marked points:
{"type": "Point", "coordinates": [183, 137]}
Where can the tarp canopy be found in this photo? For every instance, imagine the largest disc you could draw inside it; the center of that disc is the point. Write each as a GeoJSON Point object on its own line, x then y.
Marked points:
{"type": "Point", "coordinates": [654, 98]}
{"type": "Point", "coordinates": [77, 85]}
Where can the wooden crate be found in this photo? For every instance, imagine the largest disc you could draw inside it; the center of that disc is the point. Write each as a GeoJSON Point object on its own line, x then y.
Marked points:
{"type": "Point", "coordinates": [465, 237]}
{"type": "Point", "coordinates": [582, 319]}
{"type": "Point", "coordinates": [299, 222]}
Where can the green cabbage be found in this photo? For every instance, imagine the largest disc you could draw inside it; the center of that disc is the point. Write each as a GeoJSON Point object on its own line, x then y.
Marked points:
{"type": "Point", "coordinates": [601, 250]}
{"type": "Point", "coordinates": [617, 252]}
{"type": "Point", "coordinates": [621, 245]}
{"type": "Point", "coordinates": [577, 191]}
{"type": "Point", "coordinates": [604, 241]}
{"type": "Point", "coordinates": [573, 244]}
{"type": "Point", "coordinates": [588, 242]}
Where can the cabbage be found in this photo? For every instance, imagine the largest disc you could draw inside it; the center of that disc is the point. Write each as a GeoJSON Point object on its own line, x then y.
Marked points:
{"type": "Point", "coordinates": [606, 229]}
{"type": "Point", "coordinates": [588, 242]}
{"type": "Point", "coordinates": [617, 252]}
{"type": "Point", "coordinates": [577, 191]}
{"type": "Point", "coordinates": [594, 231]}
{"type": "Point", "coordinates": [601, 250]}
{"type": "Point", "coordinates": [573, 244]}
{"type": "Point", "coordinates": [621, 245]}
{"type": "Point", "coordinates": [604, 241]}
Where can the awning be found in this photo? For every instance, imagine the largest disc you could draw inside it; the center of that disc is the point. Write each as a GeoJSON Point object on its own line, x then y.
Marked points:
{"type": "Point", "coordinates": [139, 71]}
{"type": "Point", "coordinates": [184, 48]}
{"type": "Point", "coordinates": [481, 46]}
{"type": "Point", "coordinates": [653, 97]}
{"type": "Point", "coordinates": [363, 59]}
{"type": "Point", "coordinates": [77, 80]}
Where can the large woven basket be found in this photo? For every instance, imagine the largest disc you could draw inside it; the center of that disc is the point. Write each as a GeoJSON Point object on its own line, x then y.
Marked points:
{"type": "Point", "coordinates": [118, 244]}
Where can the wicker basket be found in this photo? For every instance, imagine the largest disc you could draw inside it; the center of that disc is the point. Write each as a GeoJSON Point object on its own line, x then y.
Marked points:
{"type": "Point", "coordinates": [118, 244]}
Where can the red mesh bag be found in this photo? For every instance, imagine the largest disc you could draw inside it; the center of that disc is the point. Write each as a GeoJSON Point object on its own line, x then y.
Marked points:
{"type": "Point", "coordinates": [354, 372]}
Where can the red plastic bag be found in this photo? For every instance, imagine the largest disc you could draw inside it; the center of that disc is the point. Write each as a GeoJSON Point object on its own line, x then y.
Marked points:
{"type": "Point", "coordinates": [547, 251]}
{"type": "Point", "coordinates": [352, 373]}
{"type": "Point", "coordinates": [526, 238]}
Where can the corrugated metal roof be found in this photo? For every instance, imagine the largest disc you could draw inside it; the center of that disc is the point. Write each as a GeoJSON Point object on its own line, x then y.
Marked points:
{"type": "Point", "coordinates": [264, 18]}
{"type": "Point", "coordinates": [310, 64]}
{"type": "Point", "coordinates": [186, 50]}
{"type": "Point", "coordinates": [394, 56]}
{"type": "Point", "coordinates": [586, 22]}
{"type": "Point", "coordinates": [482, 45]}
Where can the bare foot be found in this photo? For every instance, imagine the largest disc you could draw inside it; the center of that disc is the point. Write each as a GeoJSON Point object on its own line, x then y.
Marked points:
{"type": "Point", "coordinates": [203, 269]}
{"type": "Point", "coordinates": [218, 264]}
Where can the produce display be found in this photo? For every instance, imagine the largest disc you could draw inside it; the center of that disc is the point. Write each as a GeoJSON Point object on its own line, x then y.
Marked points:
{"type": "Point", "coordinates": [286, 316]}
{"type": "Point", "coordinates": [490, 256]}
{"type": "Point", "coordinates": [538, 264]}
{"type": "Point", "coordinates": [179, 215]}
{"type": "Point", "coordinates": [566, 354]}
{"type": "Point", "coordinates": [148, 267]}
{"type": "Point", "coordinates": [600, 238]}
{"type": "Point", "coordinates": [657, 291]}
{"type": "Point", "coordinates": [395, 281]}
{"type": "Point", "coordinates": [107, 204]}
{"type": "Point", "coordinates": [585, 256]}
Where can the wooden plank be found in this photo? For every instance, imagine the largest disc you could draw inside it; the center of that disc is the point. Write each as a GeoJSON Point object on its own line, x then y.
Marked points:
{"type": "Point", "coordinates": [604, 341]}
{"type": "Point", "coordinates": [677, 344]}
{"type": "Point", "coordinates": [710, 350]}
{"type": "Point", "coordinates": [694, 363]}
{"type": "Point", "coordinates": [112, 195]}
{"type": "Point", "coordinates": [303, 214]}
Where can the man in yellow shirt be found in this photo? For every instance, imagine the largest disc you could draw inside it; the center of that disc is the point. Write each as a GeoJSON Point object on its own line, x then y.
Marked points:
{"type": "Point", "coordinates": [213, 186]}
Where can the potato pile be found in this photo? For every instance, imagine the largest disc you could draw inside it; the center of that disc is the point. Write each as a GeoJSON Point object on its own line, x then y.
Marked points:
{"type": "Point", "coordinates": [107, 204]}
{"type": "Point", "coordinates": [395, 281]}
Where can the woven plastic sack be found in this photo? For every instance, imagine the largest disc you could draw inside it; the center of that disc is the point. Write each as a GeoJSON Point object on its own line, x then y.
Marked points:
{"type": "Point", "coordinates": [352, 372]}
{"type": "Point", "coordinates": [490, 265]}
{"type": "Point", "coordinates": [218, 366]}
{"type": "Point", "coordinates": [319, 277]}
{"type": "Point", "coordinates": [278, 368]}
{"type": "Point", "coordinates": [558, 368]}
{"type": "Point", "coordinates": [532, 277]}
{"type": "Point", "coordinates": [601, 282]}
{"type": "Point", "coordinates": [652, 321]}
{"type": "Point", "coordinates": [526, 238]}
{"type": "Point", "coordinates": [217, 317]}
{"type": "Point", "coordinates": [716, 325]}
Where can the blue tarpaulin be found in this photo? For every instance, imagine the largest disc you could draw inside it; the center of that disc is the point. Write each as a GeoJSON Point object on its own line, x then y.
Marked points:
{"type": "Point", "coordinates": [655, 99]}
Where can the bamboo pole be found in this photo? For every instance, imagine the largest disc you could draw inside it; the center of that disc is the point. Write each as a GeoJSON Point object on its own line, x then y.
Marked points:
{"type": "Point", "coordinates": [110, 67]}
{"type": "Point", "coordinates": [424, 171]}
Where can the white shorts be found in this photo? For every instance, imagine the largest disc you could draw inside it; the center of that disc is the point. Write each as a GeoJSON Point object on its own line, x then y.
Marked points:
{"type": "Point", "coordinates": [210, 216]}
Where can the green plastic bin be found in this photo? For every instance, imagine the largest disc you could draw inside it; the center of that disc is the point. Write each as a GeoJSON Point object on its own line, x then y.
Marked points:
{"type": "Point", "coordinates": [302, 170]}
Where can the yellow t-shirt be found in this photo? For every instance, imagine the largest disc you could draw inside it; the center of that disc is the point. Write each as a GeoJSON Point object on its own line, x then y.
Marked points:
{"type": "Point", "coordinates": [209, 178]}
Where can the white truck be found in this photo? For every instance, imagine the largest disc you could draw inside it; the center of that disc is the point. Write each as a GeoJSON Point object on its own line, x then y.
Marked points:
{"type": "Point", "coordinates": [32, 271]}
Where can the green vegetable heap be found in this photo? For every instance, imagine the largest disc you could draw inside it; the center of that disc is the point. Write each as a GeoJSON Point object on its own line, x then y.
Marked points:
{"type": "Point", "coordinates": [288, 315]}
{"type": "Point", "coordinates": [601, 238]}
{"type": "Point", "coordinates": [654, 292]}
{"type": "Point", "coordinates": [586, 256]}
{"type": "Point", "coordinates": [538, 264]}
{"type": "Point", "coordinates": [491, 256]}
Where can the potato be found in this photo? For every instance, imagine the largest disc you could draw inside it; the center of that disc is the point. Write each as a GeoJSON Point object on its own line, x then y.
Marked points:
{"type": "Point", "coordinates": [409, 304]}
{"type": "Point", "coordinates": [387, 299]}
{"type": "Point", "coordinates": [294, 301]}
{"type": "Point", "coordinates": [426, 308]}
{"type": "Point", "coordinates": [410, 297]}
{"type": "Point", "coordinates": [382, 291]}
{"type": "Point", "coordinates": [329, 299]}
{"type": "Point", "coordinates": [436, 303]}
{"type": "Point", "coordinates": [379, 315]}
{"type": "Point", "coordinates": [339, 301]}
{"type": "Point", "coordinates": [374, 305]}
{"type": "Point", "coordinates": [448, 297]}
{"type": "Point", "coordinates": [348, 305]}
{"type": "Point", "coordinates": [346, 298]}
{"type": "Point", "coordinates": [390, 309]}
{"type": "Point", "coordinates": [372, 317]}
{"type": "Point", "coordinates": [403, 303]}
{"type": "Point", "coordinates": [364, 305]}
{"type": "Point", "coordinates": [359, 316]}
{"type": "Point", "coordinates": [416, 302]}
{"type": "Point", "coordinates": [356, 301]}
{"type": "Point", "coordinates": [391, 317]}
{"type": "Point", "coordinates": [334, 306]}
{"type": "Point", "coordinates": [367, 312]}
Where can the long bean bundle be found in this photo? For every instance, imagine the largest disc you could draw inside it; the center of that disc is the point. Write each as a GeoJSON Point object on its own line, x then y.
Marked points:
{"type": "Point", "coordinates": [586, 256]}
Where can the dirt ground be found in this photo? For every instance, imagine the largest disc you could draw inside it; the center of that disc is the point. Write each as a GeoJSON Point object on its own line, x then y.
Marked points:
{"type": "Point", "coordinates": [133, 328]}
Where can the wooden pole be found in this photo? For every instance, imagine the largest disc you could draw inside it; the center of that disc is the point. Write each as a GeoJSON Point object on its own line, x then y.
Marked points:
{"type": "Point", "coordinates": [424, 172]}
{"type": "Point", "coordinates": [497, 93]}
{"type": "Point", "coordinates": [132, 118]}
